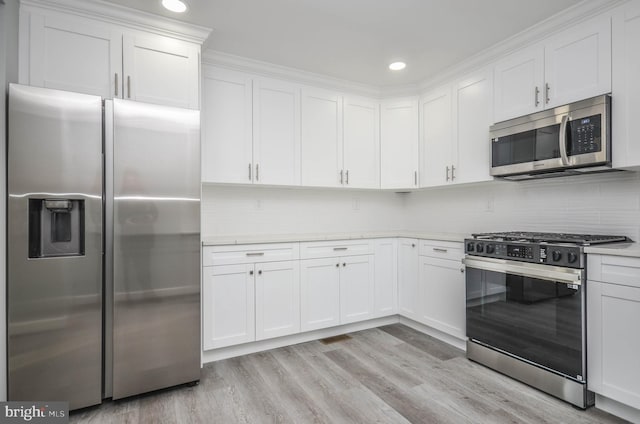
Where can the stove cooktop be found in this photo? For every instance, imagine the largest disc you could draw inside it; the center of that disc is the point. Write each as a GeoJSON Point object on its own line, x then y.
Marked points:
{"type": "Point", "coordinates": [535, 237]}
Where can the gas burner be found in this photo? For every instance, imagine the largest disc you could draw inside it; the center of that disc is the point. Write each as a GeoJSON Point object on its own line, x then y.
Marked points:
{"type": "Point", "coordinates": [535, 237]}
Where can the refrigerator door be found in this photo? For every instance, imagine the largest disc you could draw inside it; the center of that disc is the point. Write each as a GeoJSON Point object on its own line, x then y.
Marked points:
{"type": "Point", "coordinates": [54, 267]}
{"type": "Point", "coordinates": [156, 247]}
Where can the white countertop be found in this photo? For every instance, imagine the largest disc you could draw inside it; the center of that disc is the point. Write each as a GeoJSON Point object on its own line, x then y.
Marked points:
{"type": "Point", "coordinates": [289, 238]}
{"type": "Point", "coordinates": [620, 249]}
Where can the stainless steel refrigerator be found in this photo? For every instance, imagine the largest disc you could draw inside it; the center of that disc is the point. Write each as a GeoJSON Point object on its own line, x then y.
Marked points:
{"type": "Point", "coordinates": [103, 282]}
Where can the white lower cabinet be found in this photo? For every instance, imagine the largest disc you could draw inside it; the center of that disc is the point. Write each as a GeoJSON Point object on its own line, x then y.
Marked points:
{"type": "Point", "coordinates": [228, 305]}
{"type": "Point", "coordinates": [408, 264]}
{"type": "Point", "coordinates": [442, 295]}
{"type": "Point", "coordinates": [337, 290]}
{"type": "Point", "coordinates": [613, 340]}
{"type": "Point", "coordinates": [319, 293]}
{"type": "Point", "coordinates": [385, 277]}
{"type": "Point", "coordinates": [277, 299]}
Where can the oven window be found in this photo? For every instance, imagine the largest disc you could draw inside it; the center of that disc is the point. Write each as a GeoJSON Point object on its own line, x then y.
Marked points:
{"type": "Point", "coordinates": [538, 320]}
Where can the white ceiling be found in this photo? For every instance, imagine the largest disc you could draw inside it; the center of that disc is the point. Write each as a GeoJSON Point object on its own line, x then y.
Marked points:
{"type": "Point", "coordinates": [357, 39]}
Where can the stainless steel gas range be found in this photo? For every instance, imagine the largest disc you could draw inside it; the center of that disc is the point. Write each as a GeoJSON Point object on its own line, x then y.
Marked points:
{"type": "Point", "coordinates": [526, 296]}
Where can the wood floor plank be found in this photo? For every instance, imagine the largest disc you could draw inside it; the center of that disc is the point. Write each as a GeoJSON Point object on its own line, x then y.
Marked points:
{"type": "Point", "coordinates": [424, 342]}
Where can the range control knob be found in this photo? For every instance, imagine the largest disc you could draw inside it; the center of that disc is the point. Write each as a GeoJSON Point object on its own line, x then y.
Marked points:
{"type": "Point", "coordinates": [556, 256]}
{"type": "Point", "coordinates": [491, 248]}
{"type": "Point", "coordinates": [479, 247]}
{"type": "Point", "coordinates": [470, 247]}
{"type": "Point", "coordinates": [572, 257]}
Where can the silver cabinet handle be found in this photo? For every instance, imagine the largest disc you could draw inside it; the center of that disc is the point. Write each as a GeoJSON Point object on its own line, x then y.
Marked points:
{"type": "Point", "coordinates": [546, 95]}
{"type": "Point", "coordinates": [340, 248]}
{"type": "Point", "coordinates": [257, 172]}
{"type": "Point", "coordinates": [255, 253]}
{"type": "Point", "coordinates": [415, 178]}
{"type": "Point", "coordinates": [341, 175]}
{"type": "Point", "coordinates": [128, 86]}
{"type": "Point", "coordinates": [347, 177]}
{"type": "Point", "coordinates": [437, 249]}
{"type": "Point", "coordinates": [116, 83]}
{"type": "Point", "coordinates": [453, 172]}
{"type": "Point", "coordinates": [447, 168]}
{"type": "Point", "coordinates": [537, 96]}
{"type": "Point", "coordinates": [250, 172]}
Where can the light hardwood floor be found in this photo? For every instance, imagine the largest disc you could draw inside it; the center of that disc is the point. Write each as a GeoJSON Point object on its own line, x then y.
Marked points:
{"type": "Point", "coordinates": [391, 374]}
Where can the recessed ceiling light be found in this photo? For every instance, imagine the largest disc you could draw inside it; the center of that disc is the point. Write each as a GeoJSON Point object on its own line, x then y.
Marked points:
{"type": "Point", "coordinates": [397, 66]}
{"type": "Point", "coordinates": [177, 6]}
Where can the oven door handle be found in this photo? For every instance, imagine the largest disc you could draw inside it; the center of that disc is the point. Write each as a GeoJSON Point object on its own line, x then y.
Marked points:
{"type": "Point", "coordinates": [524, 269]}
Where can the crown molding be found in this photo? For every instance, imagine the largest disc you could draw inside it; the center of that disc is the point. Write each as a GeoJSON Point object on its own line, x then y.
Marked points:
{"type": "Point", "coordinates": [123, 16]}
{"type": "Point", "coordinates": [271, 70]}
{"type": "Point", "coordinates": [535, 34]}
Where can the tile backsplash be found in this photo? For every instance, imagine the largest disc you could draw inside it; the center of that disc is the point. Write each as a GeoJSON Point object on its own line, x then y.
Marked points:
{"type": "Point", "coordinates": [597, 203]}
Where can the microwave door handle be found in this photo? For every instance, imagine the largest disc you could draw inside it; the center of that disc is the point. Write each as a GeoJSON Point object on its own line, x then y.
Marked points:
{"type": "Point", "coordinates": [563, 140]}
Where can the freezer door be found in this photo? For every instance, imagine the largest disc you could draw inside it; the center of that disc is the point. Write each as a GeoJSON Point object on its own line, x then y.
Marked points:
{"type": "Point", "coordinates": [54, 266]}
{"type": "Point", "coordinates": [156, 247]}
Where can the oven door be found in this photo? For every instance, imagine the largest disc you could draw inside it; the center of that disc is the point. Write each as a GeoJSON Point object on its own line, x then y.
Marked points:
{"type": "Point", "coordinates": [530, 311]}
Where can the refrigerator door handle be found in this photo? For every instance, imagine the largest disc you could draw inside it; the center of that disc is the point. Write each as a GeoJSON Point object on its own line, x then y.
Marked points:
{"type": "Point", "coordinates": [108, 247]}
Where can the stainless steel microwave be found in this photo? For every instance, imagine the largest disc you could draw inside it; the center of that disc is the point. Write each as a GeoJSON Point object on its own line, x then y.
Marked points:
{"type": "Point", "coordinates": [570, 139]}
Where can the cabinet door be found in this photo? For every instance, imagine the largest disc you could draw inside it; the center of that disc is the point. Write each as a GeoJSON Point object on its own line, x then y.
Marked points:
{"type": "Point", "coordinates": [75, 55]}
{"type": "Point", "coordinates": [161, 70]}
{"type": "Point", "coordinates": [399, 144]}
{"type": "Point", "coordinates": [276, 132]}
{"type": "Point", "coordinates": [442, 296]}
{"type": "Point", "coordinates": [277, 299]}
{"type": "Point", "coordinates": [228, 305]}
{"type": "Point", "coordinates": [519, 84]}
{"type": "Point", "coordinates": [436, 126]}
{"type": "Point", "coordinates": [471, 132]}
{"type": "Point", "coordinates": [626, 84]}
{"type": "Point", "coordinates": [408, 266]}
{"type": "Point", "coordinates": [361, 143]}
{"type": "Point", "coordinates": [578, 62]}
{"type": "Point", "coordinates": [614, 341]}
{"type": "Point", "coordinates": [319, 293]}
{"type": "Point", "coordinates": [226, 127]}
{"type": "Point", "coordinates": [385, 277]}
{"type": "Point", "coordinates": [321, 139]}
{"type": "Point", "coordinates": [356, 288]}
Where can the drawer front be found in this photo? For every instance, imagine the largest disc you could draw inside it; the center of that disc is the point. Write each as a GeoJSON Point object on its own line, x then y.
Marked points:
{"type": "Point", "coordinates": [441, 249]}
{"type": "Point", "coordinates": [614, 269]}
{"type": "Point", "coordinates": [332, 249]}
{"type": "Point", "coordinates": [249, 253]}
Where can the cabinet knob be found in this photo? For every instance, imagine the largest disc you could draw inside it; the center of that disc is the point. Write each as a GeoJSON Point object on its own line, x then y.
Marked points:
{"type": "Point", "coordinates": [413, 245]}
{"type": "Point", "coordinates": [461, 270]}
{"type": "Point", "coordinates": [251, 272]}
{"type": "Point", "coordinates": [344, 264]}
{"type": "Point", "coordinates": [337, 265]}
{"type": "Point", "coordinates": [260, 272]}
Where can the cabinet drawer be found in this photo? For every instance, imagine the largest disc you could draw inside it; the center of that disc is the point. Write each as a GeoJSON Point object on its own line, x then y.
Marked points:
{"type": "Point", "coordinates": [441, 249]}
{"type": "Point", "coordinates": [614, 269]}
{"type": "Point", "coordinates": [249, 253]}
{"type": "Point", "coordinates": [332, 249]}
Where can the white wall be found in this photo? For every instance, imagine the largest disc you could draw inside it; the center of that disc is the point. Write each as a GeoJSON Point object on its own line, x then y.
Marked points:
{"type": "Point", "coordinates": [259, 210]}
{"type": "Point", "coordinates": [8, 73]}
{"type": "Point", "coordinates": [598, 203]}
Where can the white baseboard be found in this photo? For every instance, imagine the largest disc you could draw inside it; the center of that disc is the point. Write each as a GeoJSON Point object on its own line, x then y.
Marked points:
{"type": "Point", "coordinates": [618, 409]}
{"type": "Point", "coordinates": [437, 334]}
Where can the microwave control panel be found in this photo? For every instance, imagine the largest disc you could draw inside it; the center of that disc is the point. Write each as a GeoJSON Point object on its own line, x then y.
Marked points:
{"type": "Point", "coordinates": [585, 135]}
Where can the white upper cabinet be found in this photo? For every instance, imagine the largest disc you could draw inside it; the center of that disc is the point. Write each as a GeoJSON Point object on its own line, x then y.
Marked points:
{"type": "Point", "coordinates": [74, 53]}
{"type": "Point", "coordinates": [361, 149]}
{"type": "Point", "coordinates": [436, 128]}
{"type": "Point", "coordinates": [626, 85]}
{"type": "Point", "coordinates": [570, 66]}
{"type": "Point", "coordinates": [399, 142]}
{"type": "Point", "coordinates": [473, 116]}
{"type": "Point", "coordinates": [226, 126]}
{"type": "Point", "coordinates": [321, 138]}
{"type": "Point", "coordinates": [578, 63]}
{"type": "Point", "coordinates": [519, 84]}
{"type": "Point", "coordinates": [276, 132]}
{"type": "Point", "coordinates": [160, 70]}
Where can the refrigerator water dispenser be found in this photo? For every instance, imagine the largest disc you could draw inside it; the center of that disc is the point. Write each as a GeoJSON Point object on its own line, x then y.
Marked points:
{"type": "Point", "coordinates": [56, 227]}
